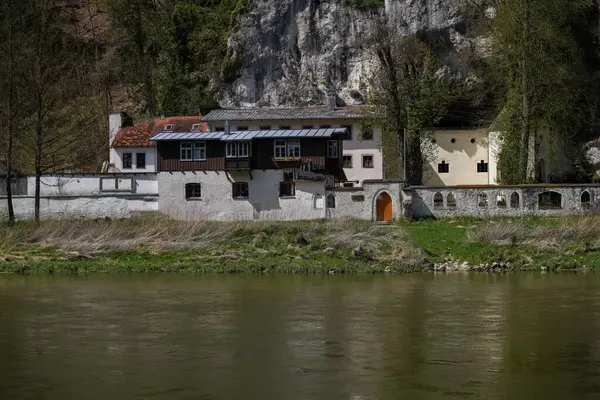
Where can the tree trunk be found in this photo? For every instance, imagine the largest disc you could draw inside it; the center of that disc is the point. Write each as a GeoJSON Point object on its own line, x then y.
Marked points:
{"type": "Point", "coordinates": [9, 149]}
{"type": "Point", "coordinates": [414, 160]}
{"type": "Point", "coordinates": [38, 167]}
{"type": "Point", "coordinates": [526, 111]}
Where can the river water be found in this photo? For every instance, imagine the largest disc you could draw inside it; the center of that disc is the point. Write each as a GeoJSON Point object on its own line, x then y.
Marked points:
{"type": "Point", "coordinates": [403, 337]}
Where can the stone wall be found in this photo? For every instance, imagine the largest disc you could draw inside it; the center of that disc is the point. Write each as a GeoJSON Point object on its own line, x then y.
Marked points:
{"type": "Point", "coordinates": [361, 202]}
{"type": "Point", "coordinates": [502, 201]}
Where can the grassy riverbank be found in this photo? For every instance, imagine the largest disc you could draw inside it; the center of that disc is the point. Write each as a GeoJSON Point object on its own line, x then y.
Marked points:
{"type": "Point", "coordinates": [157, 244]}
{"type": "Point", "coordinates": [522, 243]}
{"type": "Point", "coordinates": [161, 245]}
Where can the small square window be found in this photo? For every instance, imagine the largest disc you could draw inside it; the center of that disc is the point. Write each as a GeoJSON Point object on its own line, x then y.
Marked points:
{"type": "Point", "coordinates": [325, 126]}
{"type": "Point", "coordinates": [193, 190]}
{"type": "Point", "coordinates": [443, 168]}
{"type": "Point", "coordinates": [242, 128]}
{"type": "Point", "coordinates": [169, 128]}
{"type": "Point", "coordinates": [348, 184]}
{"type": "Point", "coordinates": [287, 189]}
{"type": "Point", "coordinates": [285, 127]}
{"type": "Point", "coordinates": [482, 167]}
{"type": "Point", "coordinates": [347, 161]}
{"type": "Point", "coordinates": [367, 162]}
{"type": "Point", "coordinates": [195, 127]}
{"type": "Point", "coordinates": [307, 127]}
{"type": "Point", "coordinates": [127, 161]}
{"type": "Point", "coordinates": [240, 190]}
{"type": "Point", "coordinates": [140, 160]}
{"type": "Point", "coordinates": [265, 128]}
{"type": "Point", "coordinates": [220, 129]}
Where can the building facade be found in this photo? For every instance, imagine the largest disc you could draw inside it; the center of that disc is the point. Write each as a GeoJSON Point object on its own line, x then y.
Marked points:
{"type": "Point", "coordinates": [249, 174]}
{"type": "Point", "coordinates": [132, 151]}
{"type": "Point", "coordinates": [460, 157]}
{"type": "Point", "coordinates": [362, 156]}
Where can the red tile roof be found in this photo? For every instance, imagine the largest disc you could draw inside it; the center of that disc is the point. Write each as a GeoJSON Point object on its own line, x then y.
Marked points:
{"type": "Point", "coordinates": [139, 135]}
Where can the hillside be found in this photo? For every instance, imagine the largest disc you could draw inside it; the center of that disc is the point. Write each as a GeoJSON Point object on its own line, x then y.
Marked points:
{"type": "Point", "coordinates": [172, 57]}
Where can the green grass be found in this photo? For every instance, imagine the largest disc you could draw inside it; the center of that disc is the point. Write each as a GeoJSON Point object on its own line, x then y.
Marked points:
{"type": "Point", "coordinates": [524, 243]}
{"type": "Point", "coordinates": [159, 245]}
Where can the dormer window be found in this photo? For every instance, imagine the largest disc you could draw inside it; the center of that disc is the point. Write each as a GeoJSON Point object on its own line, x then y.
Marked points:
{"type": "Point", "coordinates": [169, 128]}
{"type": "Point", "coordinates": [195, 127]}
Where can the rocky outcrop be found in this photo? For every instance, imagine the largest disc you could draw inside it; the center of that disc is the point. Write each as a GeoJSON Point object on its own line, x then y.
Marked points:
{"type": "Point", "coordinates": [287, 50]}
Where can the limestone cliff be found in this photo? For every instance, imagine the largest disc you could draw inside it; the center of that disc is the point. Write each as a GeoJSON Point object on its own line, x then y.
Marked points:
{"type": "Point", "coordinates": [287, 49]}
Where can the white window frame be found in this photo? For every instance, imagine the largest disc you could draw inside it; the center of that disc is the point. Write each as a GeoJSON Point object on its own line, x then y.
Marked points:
{"type": "Point", "coordinates": [192, 147]}
{"type": "Point", "coordinates": [231, 150]}
{"type": "Point", "coordinates": [332, 152]}
{"type": "Point", "coordinates": [186, 146]}
{"type": "Point", "coordinates": [195, 127]}
{"type": "Point", "coordinates": [169, 128]}
{"type": "Point", "coordinates": [243, 149]}
{"type": "Point", "coordinates": [201, 148]}
{"type": "Point", "coordinates": [294, 144]}
{"type": "Point", "coordinates": [280, 145]}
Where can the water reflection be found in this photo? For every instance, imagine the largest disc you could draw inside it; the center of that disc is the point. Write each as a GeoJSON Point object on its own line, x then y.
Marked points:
{"type": "Point", "coordinates": [415, 337]}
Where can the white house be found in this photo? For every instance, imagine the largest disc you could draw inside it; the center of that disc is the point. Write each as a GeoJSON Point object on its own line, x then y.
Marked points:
{"type": "Point", "coordinates": [130, 147]}
{"type": "Point", "coordinates": [362, 155]}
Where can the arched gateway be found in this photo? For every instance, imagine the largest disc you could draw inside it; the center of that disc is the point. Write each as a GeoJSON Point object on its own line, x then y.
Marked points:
{"type": "Point", "coordinates": [384, 207]}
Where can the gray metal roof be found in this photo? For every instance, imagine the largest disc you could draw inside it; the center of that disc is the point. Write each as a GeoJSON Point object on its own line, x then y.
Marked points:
{"type": "Point", "coordinates": [249, 135]}
{"type": "Point", "coordinates": [296, 113]}
{"type": "Point", "coordinates": [188, 136]}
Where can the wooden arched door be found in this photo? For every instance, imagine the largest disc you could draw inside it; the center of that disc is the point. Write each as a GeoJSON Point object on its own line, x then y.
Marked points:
{"type": "Point", "coordinates": [384, 207]}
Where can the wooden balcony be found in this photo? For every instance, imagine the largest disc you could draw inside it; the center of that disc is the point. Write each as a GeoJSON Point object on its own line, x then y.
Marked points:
{"type": "Point", "coordinates": [237, 163]}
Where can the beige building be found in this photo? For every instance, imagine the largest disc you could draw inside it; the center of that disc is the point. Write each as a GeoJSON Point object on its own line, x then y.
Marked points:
{"type": "Point", "coordinates": [460, 157]}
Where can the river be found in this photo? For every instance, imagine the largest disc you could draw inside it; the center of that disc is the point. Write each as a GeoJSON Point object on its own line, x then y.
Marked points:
{"type": "Point", "coordinates": [249, 337]}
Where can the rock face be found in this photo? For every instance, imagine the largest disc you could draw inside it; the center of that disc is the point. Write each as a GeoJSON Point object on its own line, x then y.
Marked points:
{"type": "Point", "coordinates": [290, 48]}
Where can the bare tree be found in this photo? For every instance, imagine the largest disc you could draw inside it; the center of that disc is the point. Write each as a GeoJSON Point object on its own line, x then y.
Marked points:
{"type": "Point", "coordinates": [12, 32]}
{"type": "Point", "coordinates": [409, 94]}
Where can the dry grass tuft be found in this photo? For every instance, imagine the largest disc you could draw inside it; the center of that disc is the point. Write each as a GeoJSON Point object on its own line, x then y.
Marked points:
{"type": "Point", "coordinates": [550, 236]}
{"type": "Point", "coordinates": [158, 234]}
{"type": "Point", "coordinates": [497, 233]}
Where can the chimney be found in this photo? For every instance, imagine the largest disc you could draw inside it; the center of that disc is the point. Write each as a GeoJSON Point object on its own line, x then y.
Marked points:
{"type": "Point", "coordinates": [227, 128]}
{"type": "Point", "coordinates": [331, 100]}
{"type": "Point", "coordinates": [116, 121]}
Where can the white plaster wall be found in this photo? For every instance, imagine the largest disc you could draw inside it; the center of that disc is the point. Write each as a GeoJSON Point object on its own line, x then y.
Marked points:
{"type": "Point", "coordinates": [74, 185]}
{"type": "Point", "coordinates": [116, 158]}
{"type": "Point", "coordinates": [348, 207]}
{"type": "Point", "coordinates": [355, 147]}
{"type": "Point", "coordinates": [217, 203]}
{"type": "Point", "coordinates": [462, 156]}
{"type": "Point", "coordinates": [81, 206]}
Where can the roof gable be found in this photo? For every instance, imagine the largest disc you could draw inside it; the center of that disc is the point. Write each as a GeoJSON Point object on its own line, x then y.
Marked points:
{"type": "Point", "coordinates": [139, 135]}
